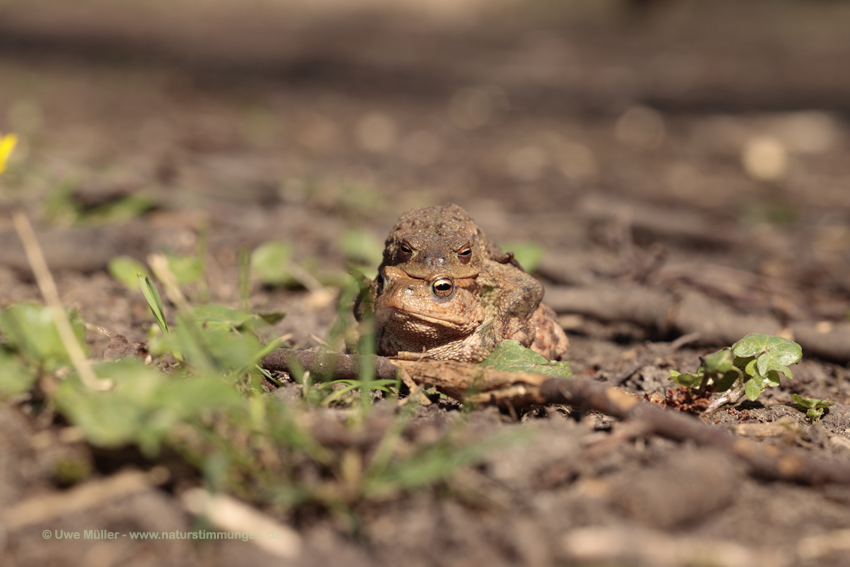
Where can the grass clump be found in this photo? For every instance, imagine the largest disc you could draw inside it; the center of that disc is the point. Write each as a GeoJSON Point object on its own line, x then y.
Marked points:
{"type": "Point", "coordinates": [211, 405]}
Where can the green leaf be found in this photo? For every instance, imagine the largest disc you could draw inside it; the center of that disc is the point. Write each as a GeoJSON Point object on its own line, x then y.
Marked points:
{"type": "Point", "coordinates": [271, 317]}
{"type": "Point", "coordinates": [510, 356]}
{"type": "Point", "coordinates": [689, 380]}
{"type": "Point", "coordinates": [186, 269]}
{"type": "Point", "coordinates": [433, 463]}
{"type": "Point", "coordinates": [754, 387]}
{"type": "Point", "coordinates": [154, 301]}
{"type": "Point", "coordinates": [719, 362]}
{"type": "Point", "coordinates": [144, 405]}
{"type": "Point", "coordinates": [727, 381]}
{"type": "Point", "coordinates": [770, 368]}
{"type": "Point", "coordinates": [215, 350]}
{"type": "Point", "coordinates": [29, 328]}
{"type": "Point", "coordinates": [528, 254]}
{"type": "Point", "coordinates": [120, 210]}
{"type": "Point", "coordinates": [188, 396]}
{"type": "Point", "coordinates": [813, 407]}
{"type": "Point", "coordinates": [113, 418]}
{"type": "Point", "coordinates": [781, 351]}
{"type": "Point", "coordinates": [126, 270]}
{"type": "Point", "coordinates": [14, 377]}
{"type": "Point", "coordinates": [269, 262]}
{"type": "Point", "coordinates": [772, 377]}
{"type": "Point", "coordinates": [361, 246]}
{"type": "Point", "coordinates": [771, 356]}
{"type": "Point", "coordinates": [811, 402]}
{"type": "Point", "coordinates": [220, 317]}
{"type": "Point", "coordinates": [805, 402]}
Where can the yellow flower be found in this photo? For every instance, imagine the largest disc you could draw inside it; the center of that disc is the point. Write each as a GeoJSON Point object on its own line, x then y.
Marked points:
{"type": "Point", "coordinates": [7, 144]}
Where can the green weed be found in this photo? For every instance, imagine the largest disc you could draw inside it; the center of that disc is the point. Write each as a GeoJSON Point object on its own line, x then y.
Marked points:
{"type": "Point", "coordinates": [212, 409]}
{"type": "Point", "coordinates": [747, 368]}
{"type": "Point", "coordinates": [813, 407]}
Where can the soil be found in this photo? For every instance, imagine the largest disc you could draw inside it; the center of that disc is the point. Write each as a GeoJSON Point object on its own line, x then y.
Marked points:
{"type": "Point", "coordinates": [702, 151]}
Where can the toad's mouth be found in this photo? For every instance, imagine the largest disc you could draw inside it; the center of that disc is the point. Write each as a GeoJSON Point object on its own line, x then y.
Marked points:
{"type": "Point", "coordinates": [441, 320]}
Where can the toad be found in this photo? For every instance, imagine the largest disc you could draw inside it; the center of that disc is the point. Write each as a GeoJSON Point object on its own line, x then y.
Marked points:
{"type": "Point", "coordinates": [444, 241]}
{"type": "Point", "coordinates": [447, 319]}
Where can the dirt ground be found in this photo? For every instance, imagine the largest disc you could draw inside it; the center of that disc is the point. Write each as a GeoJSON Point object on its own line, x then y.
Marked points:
{"type": "Point", "coordinates": [690, 154]}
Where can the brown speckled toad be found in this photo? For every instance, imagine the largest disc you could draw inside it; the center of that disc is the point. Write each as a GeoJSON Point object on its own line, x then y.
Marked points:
{"type": "Point", "coordinates": [446, 319]}
{"type": "Point", "coordinates": [444, 241]}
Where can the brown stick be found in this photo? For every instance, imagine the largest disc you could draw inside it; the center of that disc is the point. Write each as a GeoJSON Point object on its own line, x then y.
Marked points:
{"type": "Point", "coordinates": [340, 366]}
{"type": "Point", "coordinates": [481, 386]}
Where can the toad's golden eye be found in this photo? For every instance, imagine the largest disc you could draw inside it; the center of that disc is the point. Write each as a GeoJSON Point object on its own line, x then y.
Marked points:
{"type": "Point", "coordinates": [442, 287]}
{"type": "Point", "coordinates": [405, 252]}
{"type": "Point", "coordinates": [464, 255]}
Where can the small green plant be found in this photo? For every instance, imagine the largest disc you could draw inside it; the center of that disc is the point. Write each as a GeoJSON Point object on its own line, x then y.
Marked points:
{"type": "Point", "coordinates": [813, 407]}
{"type": "Point", "coordinates": [270, 263]}
{"type": "Point", "coordinates": [747, 368]}
{"type": "Point", "coordinates": [362, 249]}
{"type": "Point", "coordinates": [28, 329]}
{"type": "Point", "coordinates": [186, 269]}
{"type": "Point", "coordinates": [126, 270]}
{"type": "Point", "coordinates": [154, 301]}
{"type": "Point", "coordinates": [144, 406]}
{"type": "Point", "coordinates": [62, 205]}
{"type": "Point", "coordinates": [210, 408]}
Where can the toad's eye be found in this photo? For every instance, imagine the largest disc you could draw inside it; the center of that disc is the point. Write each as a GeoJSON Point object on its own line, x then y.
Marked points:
{"type": "Point", "coordinates": [465, 255]}
{"type": "Point", "coordinates": [405, 252]}
{"type": "Point", "coordinates": [442, 287]}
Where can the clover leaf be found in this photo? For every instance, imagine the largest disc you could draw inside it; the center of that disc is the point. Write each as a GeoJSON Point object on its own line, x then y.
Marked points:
{"type": "Point", "coordinates": [769, 349]}
{"type": "Point", "coordinates": [510, 356]}
{"type": "Point", "coordinates": [747, 368]}
{"type": "Point", "coordinates": [686, 379]}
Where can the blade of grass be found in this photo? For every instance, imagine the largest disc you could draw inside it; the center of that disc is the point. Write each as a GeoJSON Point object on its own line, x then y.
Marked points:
{"type": "Point", "coordinates": [352, 385]}
{"type": "Point", "coordinates": [367, 364]}
{"type": "Point", "coordinates": [154, 301]}
{"type": "Point", "coordinates": [268, 376]}
{"type": "Point", "coordinates": [159, 266]}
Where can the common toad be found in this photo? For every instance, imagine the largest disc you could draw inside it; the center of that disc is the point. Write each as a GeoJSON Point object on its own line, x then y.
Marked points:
{"type": "Point", "coordinates": [445, 290]}
{"type": "Point", "coordinates": [446, 319]}
{"type": "Point", "coordinates": [445, 241]}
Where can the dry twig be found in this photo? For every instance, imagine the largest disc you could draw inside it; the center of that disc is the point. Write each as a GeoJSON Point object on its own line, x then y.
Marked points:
{"type": "Point", "coordinates": [481, 386]}
{"type": "Point", "coordinates": [51, 297]}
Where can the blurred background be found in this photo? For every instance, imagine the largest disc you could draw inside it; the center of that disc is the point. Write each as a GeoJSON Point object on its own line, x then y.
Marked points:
{"type": "Point", "coordinates": [714, 129]}
{"type": "Point", "coordinates": [694, 152]}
